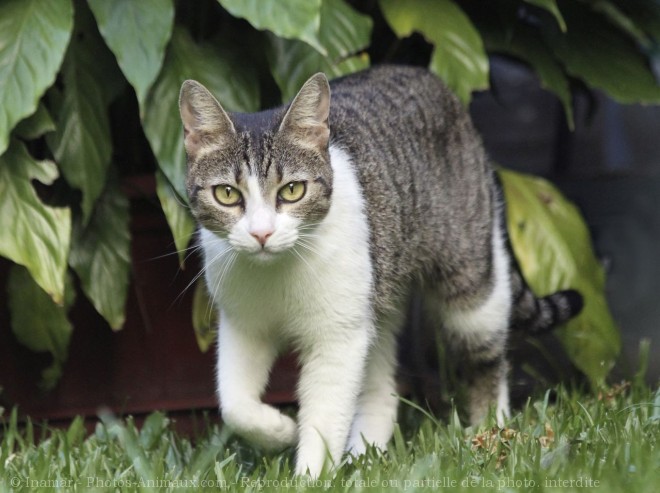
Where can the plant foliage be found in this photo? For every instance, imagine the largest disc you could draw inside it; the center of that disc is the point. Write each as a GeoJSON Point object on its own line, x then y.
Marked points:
{"type": "Point", "coordinates": [553, 248]}
{"type": "Point", "coordinates": [89, 96]}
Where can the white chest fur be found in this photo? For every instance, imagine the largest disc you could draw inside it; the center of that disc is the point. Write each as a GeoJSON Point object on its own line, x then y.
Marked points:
{"type": "Point", "coordinates": [330, 274]}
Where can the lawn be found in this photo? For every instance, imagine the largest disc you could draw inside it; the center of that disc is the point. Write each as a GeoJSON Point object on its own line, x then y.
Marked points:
{"type": "Point", "coordinates": [564, 440]}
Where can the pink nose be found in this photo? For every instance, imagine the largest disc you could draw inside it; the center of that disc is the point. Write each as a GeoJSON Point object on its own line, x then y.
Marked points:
{"type": "Point", "coordinates": [261, 236]}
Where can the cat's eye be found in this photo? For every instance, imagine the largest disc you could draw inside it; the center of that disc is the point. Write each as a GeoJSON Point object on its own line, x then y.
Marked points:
{"type": "Point", "coordinates": [227, 195]}
{"type": "Point", "coordinates": [292, 192]}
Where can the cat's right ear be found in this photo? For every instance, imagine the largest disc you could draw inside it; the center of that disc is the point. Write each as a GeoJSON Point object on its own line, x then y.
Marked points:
{"type": "Point", "coordinates": [205, 123]}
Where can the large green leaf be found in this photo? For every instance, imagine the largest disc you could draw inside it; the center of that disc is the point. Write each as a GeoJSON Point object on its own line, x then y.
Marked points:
{"type": "Point", "coordinates": [291, 19]}
{"type": "Point", "coordinates": [38, 322]}
{"type": "Point", "coordinates": [36, 125]}
{"type": "Point", "coordinates": [230, 79]}
{"type": "Point", "coordinates": [602, 56]}
{"type": "Point", "coordinates": [458, 57]}
{"type": "Point", "coordinates": [177, 213]}
{"type": "Point", "coordinates": [101, 257]}
{"type": "Point", "coordinates": [31, 233]}
{"type": "Point", "coordinates": [82, 143]}
{"type": "Point", "coordinates": [33, 38]}
{"type": "Point", "coordinates": [553, 246]}
{"type": "Point", "coordinates": [344, 32]}
{"type": "Point", "coordinates": [137, 33]}
{"type": "Point", "coordinates": [551, 6]}
{"type": "Point", "coordinates": [204, 320]}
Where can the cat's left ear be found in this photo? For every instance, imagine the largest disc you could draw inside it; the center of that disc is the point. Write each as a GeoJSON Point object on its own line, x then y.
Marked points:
{"type": "Point", "coordinates": [307, 117]}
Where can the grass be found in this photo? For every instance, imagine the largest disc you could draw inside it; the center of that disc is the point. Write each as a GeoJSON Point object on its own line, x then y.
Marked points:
{"type": "Point", "coordinates": [563, 441]}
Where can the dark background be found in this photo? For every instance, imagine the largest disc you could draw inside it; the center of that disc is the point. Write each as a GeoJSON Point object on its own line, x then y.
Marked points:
{"type": "Point", "coordinates": [609, 166]}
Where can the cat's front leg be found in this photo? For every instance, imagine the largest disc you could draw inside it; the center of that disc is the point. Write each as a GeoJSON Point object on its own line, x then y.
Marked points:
{"type": "Point", "coordinates": [377, 405]}
{"type": "Point", "coordinates": [330, 382]}
{"type": "Point", "coordinates": [245, 358]}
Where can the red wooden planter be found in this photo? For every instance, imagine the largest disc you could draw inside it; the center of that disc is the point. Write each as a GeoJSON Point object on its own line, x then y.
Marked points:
{"type": "Point", "coordinates": [152, 363]}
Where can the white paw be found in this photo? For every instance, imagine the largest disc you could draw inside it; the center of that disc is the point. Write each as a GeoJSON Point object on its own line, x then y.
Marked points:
{"type": "Point", "coordinates": [262, 425]}
{"type": "Point", "coordinates": [370, 430]}
{"type": "Point", "coordinates": [356, 446]}
{"type": "Point", "coordinates": [309, 469]}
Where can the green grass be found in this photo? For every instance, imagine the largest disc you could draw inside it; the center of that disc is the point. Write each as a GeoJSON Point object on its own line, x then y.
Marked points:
{"type": "Point", "coordinates": [569, 442]}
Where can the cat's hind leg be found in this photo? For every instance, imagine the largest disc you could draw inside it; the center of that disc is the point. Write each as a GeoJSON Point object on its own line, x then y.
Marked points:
{"type": "Point", "coordinates": [244, 363]}
{"type": "Point", "coordinates": [477, 330]}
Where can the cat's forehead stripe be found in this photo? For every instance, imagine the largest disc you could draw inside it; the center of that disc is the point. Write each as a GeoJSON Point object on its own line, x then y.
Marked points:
{"type": "Point", "coordinates": [256, 131]}
{"type": "Point", "coordinates": [247, 151]}
{"type": "Point", "coordinates": [257, 156]}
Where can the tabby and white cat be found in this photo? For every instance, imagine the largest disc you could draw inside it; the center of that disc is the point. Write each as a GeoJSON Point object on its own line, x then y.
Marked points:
{"type": "Point", "coordinates": [318, 220]}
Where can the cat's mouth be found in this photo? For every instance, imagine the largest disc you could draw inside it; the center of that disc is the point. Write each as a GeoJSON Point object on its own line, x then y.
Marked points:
{"type": "Point", "coordinates": [266, 255]}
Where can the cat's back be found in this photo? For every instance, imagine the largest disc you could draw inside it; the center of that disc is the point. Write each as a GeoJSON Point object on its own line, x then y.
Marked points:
{"type": "Point", "coordinates": [426, 181]}
{"type": "Point", "coordinates": [404, 127]}
{"type": "Point", "coordinates": [410, 98]}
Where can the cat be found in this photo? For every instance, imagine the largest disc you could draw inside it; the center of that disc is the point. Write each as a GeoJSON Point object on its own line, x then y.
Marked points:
{"type": "Point", "coordinates": [318, 220]}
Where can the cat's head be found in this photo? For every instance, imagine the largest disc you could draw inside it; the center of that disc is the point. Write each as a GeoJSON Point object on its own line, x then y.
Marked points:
{"type": "Point", "coordinates": [262, 181]}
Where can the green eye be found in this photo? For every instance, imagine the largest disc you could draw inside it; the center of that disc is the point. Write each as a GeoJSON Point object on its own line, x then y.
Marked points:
{"type": "Point", "coordinates": [227, 195]}
{"type": "Point", "coordinates": [292, 192]}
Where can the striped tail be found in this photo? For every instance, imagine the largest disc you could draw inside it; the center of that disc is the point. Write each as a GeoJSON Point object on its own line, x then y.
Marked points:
{"type": "Point", "coordinates": [538, 315]}
{"type": "Point", "coordinates": [529, 313]}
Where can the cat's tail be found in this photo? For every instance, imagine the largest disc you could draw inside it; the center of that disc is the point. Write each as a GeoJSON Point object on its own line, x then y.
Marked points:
{"type": "Point", "coordinates": [537, 315]}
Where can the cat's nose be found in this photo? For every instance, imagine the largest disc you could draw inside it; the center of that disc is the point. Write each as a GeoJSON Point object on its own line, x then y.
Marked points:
{"type": "Point", "coordinates": [261, 236]}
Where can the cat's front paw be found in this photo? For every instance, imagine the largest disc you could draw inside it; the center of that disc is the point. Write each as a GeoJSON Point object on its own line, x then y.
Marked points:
{"type": "Point", "coordinates": [262, 425]}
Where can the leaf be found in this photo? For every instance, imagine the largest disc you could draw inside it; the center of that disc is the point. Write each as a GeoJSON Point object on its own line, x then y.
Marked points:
{"type": "Point", "coordinates": [82, 143]}
{"type": "Point", "coordinates": [553, 247]}
{"type": "Point", "coordinates": [343, 32]}
{"type": "Point", "coordinates": [290, 19]}
{"type": "Point", "coordinates": [617, 17]}
{"type": "Point", "coordinates": [204, 318]}
{"type": "Point", "coordinates": [137, 33]}
{"type": "Point", "coordinates": [31, 233]}
{"type": "Point", "coordinates": [33, 38]}
{"type": "Point", "coordinates": [458, 57]}
{"type": "Point", "coordinates": [177, 214]}
{"type": "Point", "coordinates": [38, 323]}
{"type": "Point", "coordinates": [101, 256]}
{"type": "Point", "coordinates": [603, 57]}
{"type": "Point", "coordinates": [36, 125]}
{"type": "Point", "coordinates": [644, 14]}
{"type": "Point", "coordinates": [551, 6]}
{"type": "Point", "coordinates": [228, 78]}
{"type": "Point", "coordinates": [525, 43]}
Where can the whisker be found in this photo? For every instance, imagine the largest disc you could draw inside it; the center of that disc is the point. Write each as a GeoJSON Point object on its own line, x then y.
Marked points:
{"type": "Point", "coordinates": [201, 272]}
{"type": "Point", "coordinates": [308, 226]}
{"type": "Point", "coordinates": [226, 268]}
{"type": "Point", "coordinates": [301, 257]}
{"type": "Point", "coordinates": [191, 249]}
{"type": "Point", "coordinates": [308, 246]}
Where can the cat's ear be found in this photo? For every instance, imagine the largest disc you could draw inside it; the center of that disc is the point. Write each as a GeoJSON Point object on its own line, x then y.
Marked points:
{"type": "Point", "coordinates": [205, 123]}
{"type": "Point", "coordinates": [307, 117]}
